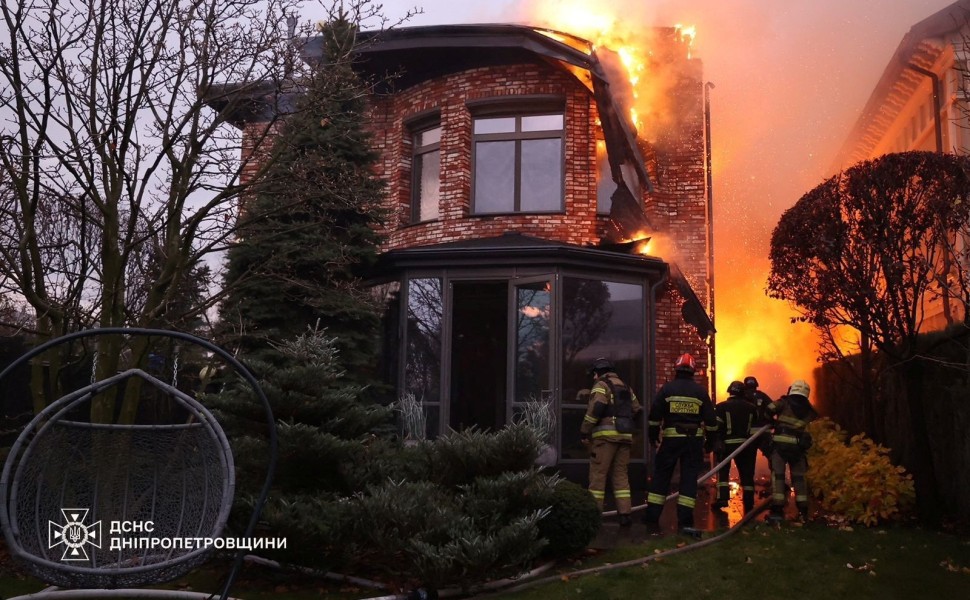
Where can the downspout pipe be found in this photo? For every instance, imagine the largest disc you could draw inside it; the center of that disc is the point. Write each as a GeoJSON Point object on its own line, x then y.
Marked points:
{"type": "Point", "coordinates": [652, 353]}
{"type": "Point", "coordinates": [938, 127]}
{"type": "Point", "coordinates": [712, 375]}
{"type": "Point", "coordinates": [937, 120]}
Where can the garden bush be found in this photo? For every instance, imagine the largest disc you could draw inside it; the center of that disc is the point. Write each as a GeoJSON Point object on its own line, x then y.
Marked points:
{"type": "Point", "coordinates": [572, 522]}
{"type": "Point", "coordinates": [854, 478]}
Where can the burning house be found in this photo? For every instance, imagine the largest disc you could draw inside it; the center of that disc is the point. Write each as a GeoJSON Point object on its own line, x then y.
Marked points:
{"type": "Point", "coordinates": [533, 226]}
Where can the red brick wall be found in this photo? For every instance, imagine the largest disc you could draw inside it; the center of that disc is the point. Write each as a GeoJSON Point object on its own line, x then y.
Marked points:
{"type": "Point", "coordinates": [677, 207]}
{"type": "Point", "coordinates": [579, 223]}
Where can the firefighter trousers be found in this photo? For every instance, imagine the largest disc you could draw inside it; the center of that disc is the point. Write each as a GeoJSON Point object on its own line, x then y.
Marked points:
{"type": "Point", "coordinates": [610, 459]}
{"type": "Point", "coordinates": [793, 458]}
{"type": "Point", "coordinates": [745, 462]}
{"type": "Point", "coordinates": [689, 452]}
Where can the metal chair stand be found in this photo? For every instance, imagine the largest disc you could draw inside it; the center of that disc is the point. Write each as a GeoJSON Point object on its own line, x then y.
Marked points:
{"type": "Point", "coordinates": [99, 510]}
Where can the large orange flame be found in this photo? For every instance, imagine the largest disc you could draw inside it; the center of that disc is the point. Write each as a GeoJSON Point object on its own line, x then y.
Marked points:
{"type": "Point", "coordinates": [755, 336]}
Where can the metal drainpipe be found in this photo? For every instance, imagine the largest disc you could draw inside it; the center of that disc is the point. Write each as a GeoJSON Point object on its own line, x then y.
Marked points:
{"type": "Point", "coordinates": [938, 126]}
{"type": "Point", "coordinates": [712, 379]}
{"type": "Point", "coordinates": [937, 121]}
{"type": "Point", "coordinates": [652, 353]}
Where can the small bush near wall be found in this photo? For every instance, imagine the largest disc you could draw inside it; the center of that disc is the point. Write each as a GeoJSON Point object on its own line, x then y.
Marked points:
{"type": "Point", "coordinates": [572, 522]}
{"type": "Point", "coordinates": [854, 478]}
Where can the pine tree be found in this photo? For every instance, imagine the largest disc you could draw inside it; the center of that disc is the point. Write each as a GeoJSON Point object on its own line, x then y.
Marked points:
{"type": "Point", "coordinates": [312, 228]}
{"type": "Point", "coordinates": [323, 430]}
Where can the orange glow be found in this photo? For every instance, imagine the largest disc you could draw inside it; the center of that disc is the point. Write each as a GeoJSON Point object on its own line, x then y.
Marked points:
{"type": "Point", "coordinates": [755, 335]}
{"type": "Point", "coordinates": [754, 332]}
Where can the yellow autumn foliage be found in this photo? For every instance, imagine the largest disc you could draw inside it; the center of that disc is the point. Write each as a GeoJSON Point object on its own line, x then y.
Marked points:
{"type": "Point", "coordinates": [853, 477]}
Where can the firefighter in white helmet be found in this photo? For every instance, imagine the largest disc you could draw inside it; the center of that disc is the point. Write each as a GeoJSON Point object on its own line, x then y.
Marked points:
{"type": "Point", "coordinates": [790, 442]}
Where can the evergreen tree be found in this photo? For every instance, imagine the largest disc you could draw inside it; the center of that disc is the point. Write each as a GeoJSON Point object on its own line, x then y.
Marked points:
{"type": "Point", "coordinates": [314, 228]}
{"type": "Point", "coordinates": [323, 429]}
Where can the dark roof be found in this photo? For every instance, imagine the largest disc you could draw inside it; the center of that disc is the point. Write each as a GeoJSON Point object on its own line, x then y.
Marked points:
{"type": "Point", "coordinates": [418, 53]}
{"type": "Point", "coordinates": [516, 249]}
{"type": "Point", "coordinates": [519, 250]}
{"type": "Point", "coordinates": [900, 81]}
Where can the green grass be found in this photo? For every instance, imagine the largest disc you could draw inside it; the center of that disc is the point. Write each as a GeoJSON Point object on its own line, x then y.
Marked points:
{"type": "Point", "coordinates": [757, 562]}
{"type": "Point", "coordinates": [792, 562]}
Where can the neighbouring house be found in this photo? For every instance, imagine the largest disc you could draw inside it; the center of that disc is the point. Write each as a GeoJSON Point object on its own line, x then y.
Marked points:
{"type": "Point", "coordinates": [531, 229]}
{"type": "Point", "coordinates": [920, 103]}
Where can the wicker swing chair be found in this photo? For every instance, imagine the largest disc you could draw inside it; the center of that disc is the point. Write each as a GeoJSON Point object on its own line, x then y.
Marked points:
{"type": "Point", "coordinates": [101, 508]}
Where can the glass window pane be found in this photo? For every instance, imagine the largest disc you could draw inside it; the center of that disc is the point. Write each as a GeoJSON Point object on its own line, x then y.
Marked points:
{"type": "Point", "coordinates": [571, 447]}
{"type": "Point", "coordinates": [422, 373]}
{"type": "Point", "coordinates": [542, 123]}
{"type": "Point", "coordinates": [541, 186]}
{"type": "Point", "coordinates": [494, 177]}
{"type": "Point", "coordinates": [427, 137]}
{"type": "Point", "coordinates": [427, 192]}
{"type": "Point", "coordinates": [496, 125]}
{"type": "Point", "coordinates": [602, 319]}
{"type": "Point", "coordinates": [532, 340]}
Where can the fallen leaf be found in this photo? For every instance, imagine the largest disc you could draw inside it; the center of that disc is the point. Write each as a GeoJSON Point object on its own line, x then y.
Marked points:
{"type": "Point", "coordinates": [748, 560]}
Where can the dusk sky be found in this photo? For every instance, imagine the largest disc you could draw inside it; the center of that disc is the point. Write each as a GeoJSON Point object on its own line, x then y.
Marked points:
{"type": "Point", "coordinates": [791, 78]}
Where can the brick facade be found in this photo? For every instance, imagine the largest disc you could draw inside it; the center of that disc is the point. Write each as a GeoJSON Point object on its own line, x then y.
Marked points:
{"type": "Point", "coordinates": [676, 207]}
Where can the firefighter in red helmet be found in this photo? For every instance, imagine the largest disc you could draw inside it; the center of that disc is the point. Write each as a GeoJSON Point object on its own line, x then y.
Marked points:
{"type": "Point", "coordinates": [682, 411]}
{"type": "Point", "coordinates": [608, 430]}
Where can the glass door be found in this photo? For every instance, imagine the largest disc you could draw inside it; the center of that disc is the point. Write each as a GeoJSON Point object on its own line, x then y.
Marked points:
{"type": "Point", "coordinates": [532, 338]}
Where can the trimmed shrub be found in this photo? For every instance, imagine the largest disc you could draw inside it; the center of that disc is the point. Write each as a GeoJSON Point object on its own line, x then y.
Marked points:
{"type": "Point", "coordinates": [572, 522]}
{"type": "Point", "coordinates": [854, 477]}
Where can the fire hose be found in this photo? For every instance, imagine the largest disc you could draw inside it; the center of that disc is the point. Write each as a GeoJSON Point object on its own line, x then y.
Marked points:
{"type": "Point", "coordinates": [725, 461]}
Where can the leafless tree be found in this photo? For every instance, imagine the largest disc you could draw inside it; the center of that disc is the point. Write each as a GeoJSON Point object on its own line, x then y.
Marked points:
{"type": "Point", "coordinates": [109, 143]}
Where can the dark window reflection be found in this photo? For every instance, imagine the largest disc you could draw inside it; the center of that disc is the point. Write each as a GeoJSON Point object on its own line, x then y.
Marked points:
{"type": "Point", "coordinates": [532, 314]}
{"type": "Point", "coordinates": [600, 319]}
{"type": "Point", "coordinates": [422, 371]}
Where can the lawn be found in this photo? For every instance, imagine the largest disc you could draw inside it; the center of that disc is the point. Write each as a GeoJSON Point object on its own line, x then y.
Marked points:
{"type": "Point", "coordinates": [759, 561]}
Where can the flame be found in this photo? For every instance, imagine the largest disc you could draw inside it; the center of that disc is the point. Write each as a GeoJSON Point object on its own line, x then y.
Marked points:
{"type": "Point", "coordinates": [686, 34]}
{"type": "Point", "coordinates": [632, 44]}
{"type": "Point", "coordinates": [754, 333]}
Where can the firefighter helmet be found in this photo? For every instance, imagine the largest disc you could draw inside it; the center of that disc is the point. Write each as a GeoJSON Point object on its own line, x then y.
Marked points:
{"type": "Point", "coordinates": [601, 365]}
{"type": "Point", "coordinates": [685, 362]}
{"type": "Point", "coordinates": [735, 388]}
{"type": "Point", "coordinates": [750, 381]}
{"type": "Point", "coordinates": [799, 388]}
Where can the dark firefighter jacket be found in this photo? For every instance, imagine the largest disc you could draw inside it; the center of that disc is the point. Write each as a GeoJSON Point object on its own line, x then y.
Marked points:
{"type": "Point", "coordinates": [683, 408]}
{"type": "Point", "coordinates": [735, 418]}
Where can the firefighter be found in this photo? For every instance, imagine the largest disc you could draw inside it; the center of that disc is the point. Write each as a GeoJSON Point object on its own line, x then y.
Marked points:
{"type": "Point", "coordinates": [607, 430]}
{"type": "Point", "coordinates": [758, 399]}
{"type": "Point", "coordinates": [735, 418]}
{"type": "Point", "coordinates": [790, 442]}
{"type": "Point", "coordinates": [683, 411]}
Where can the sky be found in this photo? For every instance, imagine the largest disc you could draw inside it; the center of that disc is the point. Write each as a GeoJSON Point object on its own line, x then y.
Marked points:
{"type": "Point", "coordinates": [790, 78]}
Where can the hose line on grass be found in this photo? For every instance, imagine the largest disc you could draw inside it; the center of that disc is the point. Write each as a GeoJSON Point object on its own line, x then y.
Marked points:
{"type": "Point", "coordinates": [638, 561]}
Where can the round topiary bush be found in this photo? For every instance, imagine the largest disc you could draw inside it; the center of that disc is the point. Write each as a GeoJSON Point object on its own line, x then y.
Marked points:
{"type": "Point", "coordinates": [572, 522]}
